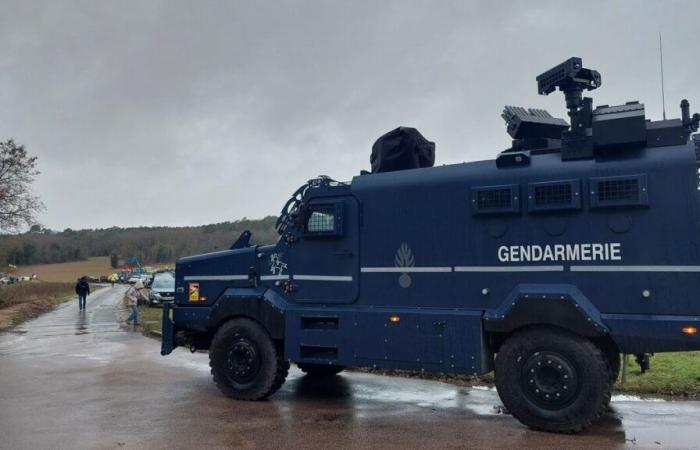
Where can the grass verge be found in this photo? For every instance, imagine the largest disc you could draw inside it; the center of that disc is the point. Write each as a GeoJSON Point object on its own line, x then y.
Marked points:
{"type": "Point", "coordinates": [151, 318]}
{"type": "Point", "coordinates": [672, 374]}
{"type": "Point", "coordinates": [24, 301]}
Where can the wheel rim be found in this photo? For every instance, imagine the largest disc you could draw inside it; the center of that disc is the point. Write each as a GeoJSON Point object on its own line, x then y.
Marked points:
{"type": "Point", "coordinates": [549, 379]}
{"type": "Point", "coordinates": [243, 361]}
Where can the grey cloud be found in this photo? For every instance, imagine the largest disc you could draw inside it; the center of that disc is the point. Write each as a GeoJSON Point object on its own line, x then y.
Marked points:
{"type": "Point", "coordinates": [198, 112]}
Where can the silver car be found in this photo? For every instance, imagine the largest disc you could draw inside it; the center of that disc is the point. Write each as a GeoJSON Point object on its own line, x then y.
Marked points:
{"type": "Point", "coordinates": [162, 288]}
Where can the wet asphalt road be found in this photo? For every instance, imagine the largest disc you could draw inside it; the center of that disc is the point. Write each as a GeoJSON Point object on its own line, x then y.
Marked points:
{"type": "Point", "coordinates": [71, 380]}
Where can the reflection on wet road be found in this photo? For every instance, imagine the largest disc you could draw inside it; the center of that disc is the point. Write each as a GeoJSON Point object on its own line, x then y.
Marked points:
{"type": "Point", "coordinates": [77, 380]}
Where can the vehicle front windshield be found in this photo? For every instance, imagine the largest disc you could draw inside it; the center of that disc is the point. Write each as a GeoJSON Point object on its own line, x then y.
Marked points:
{"type": "Point", "coordinates": [164, 281]}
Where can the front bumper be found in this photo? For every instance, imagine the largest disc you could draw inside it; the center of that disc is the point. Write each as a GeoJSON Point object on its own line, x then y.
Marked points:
{"type": "Point", "coordinates": [168, 341]}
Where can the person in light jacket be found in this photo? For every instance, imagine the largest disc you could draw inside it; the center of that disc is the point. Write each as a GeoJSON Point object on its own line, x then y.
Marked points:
{"type": "Point", "coordinates": [132, 295]}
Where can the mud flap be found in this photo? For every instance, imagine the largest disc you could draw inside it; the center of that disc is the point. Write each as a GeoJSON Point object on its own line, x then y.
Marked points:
{"type": "Point", "coordinates": [168, 332]}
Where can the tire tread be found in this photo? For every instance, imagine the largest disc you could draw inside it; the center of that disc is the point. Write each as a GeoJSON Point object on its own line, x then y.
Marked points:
{"type": "Point", "coordinates": [601, 366]}
{"type": "Point", "coordinates": [281, 369]}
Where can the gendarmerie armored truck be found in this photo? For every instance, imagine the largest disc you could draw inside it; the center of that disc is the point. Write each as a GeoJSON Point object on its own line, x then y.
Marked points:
{"type": "Point", "coordinates": [576, 245]}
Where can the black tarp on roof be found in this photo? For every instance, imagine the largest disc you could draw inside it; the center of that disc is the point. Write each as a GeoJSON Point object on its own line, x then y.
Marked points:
{"type": "Point", "coordinates": [401, 149]}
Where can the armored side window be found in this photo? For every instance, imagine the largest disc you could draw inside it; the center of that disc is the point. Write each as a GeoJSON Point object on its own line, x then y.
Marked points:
{"type": "Point", "coordinates": [554, 195]}
{"type": "Point", "coordinates": [496, 199]}
{"type": "Point", "coordinates": [626, 190]}
{"type": "Point", "coordinates": [324, 220]}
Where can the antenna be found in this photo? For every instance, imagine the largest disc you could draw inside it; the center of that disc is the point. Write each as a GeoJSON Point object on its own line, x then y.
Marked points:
{"type": "Point", "coordinates": [661, 57]}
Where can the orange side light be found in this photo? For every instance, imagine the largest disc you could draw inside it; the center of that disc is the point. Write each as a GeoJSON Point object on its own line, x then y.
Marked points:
{"type": "Point", "coordinates": [394, 319]}
{"type": "Point", "coordinates": [690, 331]}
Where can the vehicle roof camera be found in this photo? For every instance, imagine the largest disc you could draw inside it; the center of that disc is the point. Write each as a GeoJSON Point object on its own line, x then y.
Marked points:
{"type": "Point", "coordinates": [572, 79]}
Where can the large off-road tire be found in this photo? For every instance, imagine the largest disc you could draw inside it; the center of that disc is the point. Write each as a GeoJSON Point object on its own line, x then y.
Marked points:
{"type": "Point", "coordinates": [614, 366]}
{"type": "Point", "coordinates": [553, 380]}
{"type": "Point", "coordinates": [320, 370]}
{"type": "Point", "coordinates": [245, 362]}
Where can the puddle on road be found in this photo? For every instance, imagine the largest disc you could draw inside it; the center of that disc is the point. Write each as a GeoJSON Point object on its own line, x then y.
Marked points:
{"type": "Point", "coordinates": [635, 398]}
{"type": "Point", "coordinates": [17, 331]}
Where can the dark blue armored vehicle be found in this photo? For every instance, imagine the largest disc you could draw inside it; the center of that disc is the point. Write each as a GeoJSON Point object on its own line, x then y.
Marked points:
{"type": "Point", "coordinates": [578, 244]}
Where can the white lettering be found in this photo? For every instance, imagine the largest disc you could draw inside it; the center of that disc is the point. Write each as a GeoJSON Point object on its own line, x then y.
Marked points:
{"type": "Point", "coordinates": [525, 252]}
{"type": "Point", "coordinates": [615, 251]}
{"type": "Point", "coordinates": [561, 252]}
{"type": "Point", "coordinates": [585, 252]}
{"type": "Point", "coordinates": [514, 254]}
{"type": "Point", "coordinates": [598, 252]}
{"type": "Point", "coordinates": [536, 253]}
{"type": "Point", "coordinates": [548, 256]}
{"type": "Point", "coordinates": [572, 252]}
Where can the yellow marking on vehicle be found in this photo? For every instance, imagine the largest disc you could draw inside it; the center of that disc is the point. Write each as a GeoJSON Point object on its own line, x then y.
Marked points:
{"type": "Point", "coordinates": [194, 292]}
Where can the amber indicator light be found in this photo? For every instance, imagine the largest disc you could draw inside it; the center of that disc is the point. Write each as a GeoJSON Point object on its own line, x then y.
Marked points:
{"type": "Point", "coordinates": [691, 331]}
{"type": "Point", "coordinates": [394, 319]}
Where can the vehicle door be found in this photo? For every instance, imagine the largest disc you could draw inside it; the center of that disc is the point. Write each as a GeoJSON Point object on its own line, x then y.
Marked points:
{"type": "Point", "coordinates": [324, 262]}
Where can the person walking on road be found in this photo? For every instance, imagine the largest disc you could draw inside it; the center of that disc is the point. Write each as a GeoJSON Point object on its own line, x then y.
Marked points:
{"type": "Point", "coordinates": [82, 288]}
{"type": "Point", "coordinates": [133, 295]}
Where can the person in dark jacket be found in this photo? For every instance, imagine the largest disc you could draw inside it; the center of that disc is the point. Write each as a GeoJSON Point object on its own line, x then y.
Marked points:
{"type": "Point", "coordinates": [82, 288]}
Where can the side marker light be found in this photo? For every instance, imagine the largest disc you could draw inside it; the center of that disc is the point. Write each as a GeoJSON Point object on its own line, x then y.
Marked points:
{"type": "Point", "coordinates": [690, 331]}
{"type": "Point", "coordinates": [394, 319]}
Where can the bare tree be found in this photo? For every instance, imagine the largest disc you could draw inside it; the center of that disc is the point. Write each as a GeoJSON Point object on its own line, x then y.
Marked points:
{"type": "Point", "coordinates": [18, 206]}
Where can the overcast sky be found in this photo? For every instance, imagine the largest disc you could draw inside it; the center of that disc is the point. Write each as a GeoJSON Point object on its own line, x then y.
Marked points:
{"type": "Point", "coordinates": [184, 113]}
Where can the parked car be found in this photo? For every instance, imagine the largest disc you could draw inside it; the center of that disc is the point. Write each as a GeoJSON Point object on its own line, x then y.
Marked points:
{"type": "Point", "coordinates": [162, 288]}
{"type": "Point", "coordinates": [8, 280]}
{"type": "Point", "coordinates": [133, 278]}
{"type": "Point", "coordinates": [104, 279]}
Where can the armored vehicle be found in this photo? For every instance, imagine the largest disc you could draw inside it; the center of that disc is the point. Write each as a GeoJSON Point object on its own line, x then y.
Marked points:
{"type": "Point", "coordinates": [577, 244]}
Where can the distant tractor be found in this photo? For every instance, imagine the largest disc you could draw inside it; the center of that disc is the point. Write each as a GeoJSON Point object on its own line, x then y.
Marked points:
{"type": "Point", "coordinates": [132, 265]}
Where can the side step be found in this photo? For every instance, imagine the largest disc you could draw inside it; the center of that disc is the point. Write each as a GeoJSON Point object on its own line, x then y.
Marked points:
{"type": "Point", "coordinates": [317, 339]}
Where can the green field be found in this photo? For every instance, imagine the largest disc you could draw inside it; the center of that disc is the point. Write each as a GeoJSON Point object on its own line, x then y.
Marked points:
{"type": "Point", "coordinates": [69, 271]}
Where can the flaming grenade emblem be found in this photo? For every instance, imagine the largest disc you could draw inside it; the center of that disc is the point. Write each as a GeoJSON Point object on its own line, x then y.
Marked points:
{"type": "Point", "coordinates": [277, 266]}
{"type": "Point", "coordinates": [404, 258]}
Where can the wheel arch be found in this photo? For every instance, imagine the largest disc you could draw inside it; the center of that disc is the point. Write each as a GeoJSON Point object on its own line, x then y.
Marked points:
{"type": "Point", "coordinates": [562, 306]}
{"type": "Point", "coordinates": [252, 304]}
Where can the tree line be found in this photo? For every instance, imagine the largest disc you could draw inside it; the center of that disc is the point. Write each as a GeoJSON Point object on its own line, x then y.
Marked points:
{"type": "Point", "coordinates": [148, 244]}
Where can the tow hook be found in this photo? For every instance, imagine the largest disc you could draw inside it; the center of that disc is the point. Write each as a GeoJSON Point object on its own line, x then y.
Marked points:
{"type": "Point", "coordinates": [643, 360]}
{"type": "Point", "coordinates": [192, 348]}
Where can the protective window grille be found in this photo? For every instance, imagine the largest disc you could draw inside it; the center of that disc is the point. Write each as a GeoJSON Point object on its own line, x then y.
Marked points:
{"type": "Point", "coordinates": [321, 220]}
{"type": "Point", "coordinates": [494, 199]}
{"type": "Point", "coordinates": [618, 190]}
{"type": "Point", "coordinates": [553, 195]}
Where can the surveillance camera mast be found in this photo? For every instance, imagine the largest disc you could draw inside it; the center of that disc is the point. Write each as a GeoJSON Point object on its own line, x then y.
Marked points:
{"type": "Point", "coordinates": [574, 246]}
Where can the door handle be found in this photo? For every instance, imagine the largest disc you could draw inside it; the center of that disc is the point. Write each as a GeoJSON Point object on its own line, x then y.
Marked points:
{"type": "Point", "coordinates": [343, 253]}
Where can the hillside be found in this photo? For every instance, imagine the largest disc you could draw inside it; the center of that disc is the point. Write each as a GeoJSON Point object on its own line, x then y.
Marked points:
{"type": "Point", "coordinates": [150, 244]}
